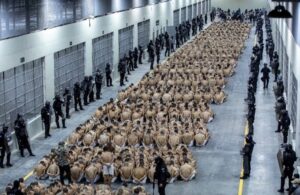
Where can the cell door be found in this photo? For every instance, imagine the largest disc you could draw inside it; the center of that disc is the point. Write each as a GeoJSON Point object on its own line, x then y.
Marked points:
{"type": "Point", "coordinates": [21, 91]}
{"type": "Point", "coordinates": [144, 33]}
{"type": "Point", "coordinates": [195, 10]}
{"type": "Point", "coordinates": [176, 17]}
{"type": "Point", "coordinates": [125, 41]}
{"type": "Point", "coordinates": [190, 12]}
{"type": "Point", "coordinates": [199, 8]}
{"type": "Point", "coordinates": [102, 52]}
{"type": "Point", "coordinates": [183, 14]}
{"type": "Point", "coordinates": [68, 67]}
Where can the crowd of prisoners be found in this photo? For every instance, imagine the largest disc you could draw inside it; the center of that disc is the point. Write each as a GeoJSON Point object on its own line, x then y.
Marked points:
{"type": "Point", "coordinates": [163, 115]}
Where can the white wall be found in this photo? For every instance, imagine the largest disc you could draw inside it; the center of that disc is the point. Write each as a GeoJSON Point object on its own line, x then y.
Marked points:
{"type": "Point", "coordinates": [292, 49]}
{"type": "Point", "coordinates": [47, 42]}
{"type": "Point", "coordinates": [242, 4]}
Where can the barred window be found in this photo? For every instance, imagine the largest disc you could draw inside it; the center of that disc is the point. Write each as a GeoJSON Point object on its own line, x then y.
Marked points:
{"type": "Point", "coordinates": [143, 33]}
{"type": "Point", "coordinates": [68, 67]}
{"type": "Point", "coordinates": [190, 13]}
{"type": "Point", "coordinates": [199, 8]}
{"type": "Point", "coordinates": [125, 41]}
{"type": "Point", "coordinates": [183, 14]}
{"type": "Point", "coordinates": [195, 10]}
{"type": "Point", "coordinates": [102, 52]}
{"type": "Point", "coordinates": [21, 91]}
{"type": "Point", "coordinates": [176, 17]}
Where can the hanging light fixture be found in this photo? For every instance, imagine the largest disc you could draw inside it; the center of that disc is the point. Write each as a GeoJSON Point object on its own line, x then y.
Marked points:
{"type": "Point", "coordinates": [279, 12]}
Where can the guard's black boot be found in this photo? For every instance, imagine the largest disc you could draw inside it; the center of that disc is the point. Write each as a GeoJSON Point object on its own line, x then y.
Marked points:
{"type": "Point", "coordinates": [22, 153]}
{"type": "Point", "coordinates": [57, 124]}
{"type": "Point", "coordinates": [8, 160]}
{"type": "Point", "coordinates": [64, 123]}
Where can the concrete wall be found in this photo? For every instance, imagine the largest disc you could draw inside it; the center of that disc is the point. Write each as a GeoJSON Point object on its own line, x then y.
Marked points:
{"type": "Point", "coordinates": [47, 42]}
{"type": "Point", "coordinates": [242, 4]}
{"type": "Point", "coordinates": [285, 43]}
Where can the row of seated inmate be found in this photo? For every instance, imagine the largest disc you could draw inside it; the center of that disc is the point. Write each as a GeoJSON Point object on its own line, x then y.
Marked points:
{"type": "Point", "coordinates": [163, 115]}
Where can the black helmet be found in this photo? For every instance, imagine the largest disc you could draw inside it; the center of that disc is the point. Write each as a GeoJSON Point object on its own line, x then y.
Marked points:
{"type": "Point", "coordinates": [47, 103]}
{"type": "Point", "coordinates": [4, 127]}
{"type": "Point", "coordinates": [77, 84]}
{"type": "Point", "coordinates": [67, 90]}
{"type": "Point", "coordinates": [57, 97]}
{"type": "Point", "coordinates": [289, 147]}
{"type": "Point", "coordinates": [20, 115]}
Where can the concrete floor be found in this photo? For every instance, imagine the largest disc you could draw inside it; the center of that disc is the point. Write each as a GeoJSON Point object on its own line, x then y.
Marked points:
{"type": "Point", "coordinates": [219, 162]}
{"type": "Point", "coordinates": [265, 176]}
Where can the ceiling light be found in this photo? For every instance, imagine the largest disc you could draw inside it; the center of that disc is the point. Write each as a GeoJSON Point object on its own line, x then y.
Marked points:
{"type": "Point", "coordinates": [279, 12]}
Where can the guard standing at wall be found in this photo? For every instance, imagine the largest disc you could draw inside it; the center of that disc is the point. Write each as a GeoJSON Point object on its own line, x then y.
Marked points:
{"type": "Point", "coordinates": [151, 54]}
{"type": "Point", "coordinates": [63, 163]}
{"type": "Point", "coordinates": [265, 78]}
{"type": "Point", "coordinates": [85, 85]}
{"type": "Point", "coordinates": [67, 98]}
{"type": "Point", "coordinates": [57, 107]}
{"type": "Point", "coordinates": [22, 135]}
{"type": "Point", "coordinates": [177, 36]}
{"type": "Point", "coordinates": [168, 46]}
{"type": "Point", "coordinates": [157, 51]}
{"type": "Point", "coordinates": [91, 87]}
{"type": "Point", "coordinates": [77, 96]}
{"type": "Point", "coordinates": [122, 71]}
{"type": "Point", "coordinates": [247, 155]}
{"type": "Point", "coordinates": [135, 57]}
{"type": "Point", "coordinates": [205, 18]}
{"type": "Point", "coordinates": [108, 72]}
{"type": "Point", "coordinates": [98, 82]}
{"type": "Point", "coordinates": [5, 143]}
{"type": "Point", "coordinates": [275, 67]}
{"type": "Point", "coordinates": [130, 60]}
{"type": "Point", "coordinates": [289, 158]}
{"type": "Point", "coordinates": [284, 124]}
{"type": "Point", "coordinates": [141, 52]}
{"type": "Point", "coordinates": [46, 113]}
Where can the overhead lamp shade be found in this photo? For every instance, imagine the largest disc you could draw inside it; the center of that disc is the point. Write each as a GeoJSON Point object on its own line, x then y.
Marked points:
{"type": "Point", "coordinates": [279, 12]}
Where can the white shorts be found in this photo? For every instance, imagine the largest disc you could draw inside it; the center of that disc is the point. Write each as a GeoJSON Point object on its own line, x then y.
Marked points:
{"type": "Point", "coordinates": [108, 170]}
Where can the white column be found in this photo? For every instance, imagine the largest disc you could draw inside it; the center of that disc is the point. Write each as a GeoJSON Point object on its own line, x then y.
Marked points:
{"type": "Point", "coordinates": [49, 77]}
{"type": "Point", "coordinates": [88, 58]}
{"type": "Point", "coordinates": [116, 55]}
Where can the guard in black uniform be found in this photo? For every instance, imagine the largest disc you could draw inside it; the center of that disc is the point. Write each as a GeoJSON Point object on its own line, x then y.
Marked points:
{"type": "Point", "coordinates": [265, 78]}
{"type": "Point", "coordinates": [161, 175]}
{"type": "Point", "coordinates": [46, 113]}
{"type": "Point", "coordinates": [157, 50]}
{"type": "Point", "coordinates": [141, 51]}
{"type": "Point", "coordinates": [247, 154]}
{"type": "Point", "coordinates": [98, 82]}
{"type": "Point", "coordinates": [108, 72]}
{"type": "Point", "coordinates": [91, 87]}
{"type": "Point", "coordinates": [77, 96]}
{"type": "Point", "coordinates": [22, 135]}
{"type": "Point", "coordinates": [289, 158]}
{"type": "Point", "coordinates": [85, 85]}
{"type": "Point", "coordinates": [67, 98]}
{"type": "Point", "coordinates": [5, 143]}
{"type": "Point", "coordinates": [122, 71]}
{"type": "Point", "coordinates": [284, 124]}
{"type": "Point", "coordinates": [135, 57]}
{"type": "Point", "coordinates": [57, 107]}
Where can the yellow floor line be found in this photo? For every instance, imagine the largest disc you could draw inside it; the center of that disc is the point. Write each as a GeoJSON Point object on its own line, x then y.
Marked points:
{"type": "Point", "coordinates": [28, 175]}
{"type": "Point", "coordinates": [241, 184]}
